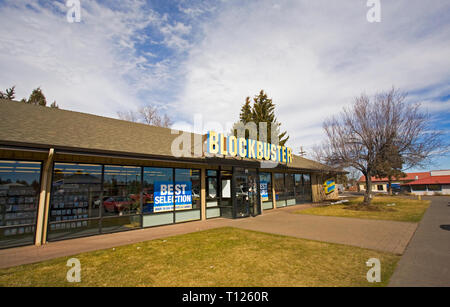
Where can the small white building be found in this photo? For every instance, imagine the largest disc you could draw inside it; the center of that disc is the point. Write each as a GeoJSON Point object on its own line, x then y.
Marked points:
{"type": "Point", "coordinates": [380, 185]}
{"type": "Point", "coordinates": [422, 183]}
{"type": "Point", "coordinates": [438, 183]}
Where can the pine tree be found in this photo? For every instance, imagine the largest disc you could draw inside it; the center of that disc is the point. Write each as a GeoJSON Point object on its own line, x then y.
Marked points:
{"type": "Point", "coordinates": [263, 110]}
{"type": "Point", "coordinates": [37, 98]}
{"type": "Point", "coordinates": [246, 112]}
{"type": "Point", "coordinates": [54, 105]}
{"type": "Point", "coordinates": [10, 93]}
{"type": "Point", "coordinates": [389, 164]}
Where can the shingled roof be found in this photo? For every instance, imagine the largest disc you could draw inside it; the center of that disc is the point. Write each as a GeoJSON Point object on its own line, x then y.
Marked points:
{"type": "Point", "coordinates": [24, 124]}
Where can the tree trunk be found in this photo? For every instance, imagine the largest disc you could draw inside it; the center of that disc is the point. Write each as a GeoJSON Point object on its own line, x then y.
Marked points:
{"type": "Point", "coordinates": [368, 194]}
{"type": "Point", "coordinates": [389, 185]}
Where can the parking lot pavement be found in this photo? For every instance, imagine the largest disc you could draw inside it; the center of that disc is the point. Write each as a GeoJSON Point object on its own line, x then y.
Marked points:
{"type": "Point", "coordinates": [426, 261]}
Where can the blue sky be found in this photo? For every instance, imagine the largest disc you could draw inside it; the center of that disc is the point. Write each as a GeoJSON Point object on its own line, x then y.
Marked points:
{"type": "Point", "coordinates": [205, 57]}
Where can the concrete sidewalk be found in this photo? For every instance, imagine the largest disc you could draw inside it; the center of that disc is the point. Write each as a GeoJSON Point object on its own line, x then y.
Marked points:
{"type": "Point", "coordinates": [426, 261]}
{"type": "Point", "coordinates": [385, 236]}
{"type": "Point", "coordinates": [388, 236]}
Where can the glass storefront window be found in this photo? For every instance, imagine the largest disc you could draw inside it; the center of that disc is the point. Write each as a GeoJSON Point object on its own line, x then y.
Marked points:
{"type": "Point", "coordinates": [434, 187]}
{"type": "Point", "coordinates": [279, 185]}
{"type": "Point", "coordinates": [265, 182]}
{"type": "Point", "coordinates": [187, 189]}
{"type": "Point", "coordinates": [226, 206]}
{"type": "Point", "coordinates": [19, 200]}
{"type": "Point", "coordinates": [306, 179]}
{"type": "Point", "coordinates": [290, 195]}
{"type": "Point", "coordinates": [122, 187]}
{"type": "Point", "coordinates": [299, 193]}
{"type": "Point", "coordinates": [76, 197]}
{"type": "Point", "coordinates": [121, 198]}
{"type": "Point", "coordinates": [211, 186]}
{"type": "Point", "coordinates": [154, 177]}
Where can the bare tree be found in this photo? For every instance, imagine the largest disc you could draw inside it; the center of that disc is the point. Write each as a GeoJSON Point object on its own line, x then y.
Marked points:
{"type": "Point", "coordinates": [360, 135]}
{"type": "Point", "coordinates": [148, 115]}
{"type": "Point", "coordinates": [130, 116]}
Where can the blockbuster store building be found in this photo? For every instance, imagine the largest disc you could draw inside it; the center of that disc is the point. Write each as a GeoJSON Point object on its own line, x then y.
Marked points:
{"type": "Point", "coordinates": [66, 174]}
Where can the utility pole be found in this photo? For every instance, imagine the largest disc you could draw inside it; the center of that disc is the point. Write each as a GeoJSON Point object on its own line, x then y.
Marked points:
{"type": "Point", "coordinates": [302, 152]}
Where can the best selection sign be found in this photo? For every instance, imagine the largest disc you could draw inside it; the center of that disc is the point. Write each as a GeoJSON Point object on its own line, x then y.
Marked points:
{"type": "Point", "coordinates": [247, 148]}
{"type": "Point", "coordinates": [166, 192]}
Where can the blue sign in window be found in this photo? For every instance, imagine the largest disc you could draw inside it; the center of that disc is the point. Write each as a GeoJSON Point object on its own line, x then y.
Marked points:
{"type": "Point", "coordinates": [166, 193]}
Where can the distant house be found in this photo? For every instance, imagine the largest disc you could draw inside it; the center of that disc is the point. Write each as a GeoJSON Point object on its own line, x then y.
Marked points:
{"type": "Point", "coordinates": [437, 183]}
{"type": "Point", "coordinates": [421, 183]}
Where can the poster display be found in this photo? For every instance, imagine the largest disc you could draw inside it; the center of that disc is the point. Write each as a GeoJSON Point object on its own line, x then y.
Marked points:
{"type": "Point", "coordinates": [264, 190]}
{"type": "Point", "coordinates": [166, 192]}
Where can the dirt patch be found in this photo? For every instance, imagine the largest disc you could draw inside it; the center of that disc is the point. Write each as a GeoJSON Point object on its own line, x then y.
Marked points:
{"type": "Point", "coordinates": [371, 207]}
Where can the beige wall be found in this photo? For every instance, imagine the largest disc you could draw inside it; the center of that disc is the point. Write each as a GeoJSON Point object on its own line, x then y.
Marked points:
{"type": "Point", "coordinates": [318, 190]}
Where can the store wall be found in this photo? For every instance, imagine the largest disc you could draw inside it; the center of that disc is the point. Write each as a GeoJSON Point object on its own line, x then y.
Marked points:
{"type": "Point", "coordinates": [318, 189]}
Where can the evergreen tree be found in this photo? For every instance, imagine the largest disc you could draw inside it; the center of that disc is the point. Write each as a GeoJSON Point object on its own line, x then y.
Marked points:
{"type": "Point", "coordinates": [10, 93]}
{"type": "Point", "coordinates": [246, 112]}
{"type": "Point", "coordinates": [54, 105]}
{"type": "Point", "coordinates": [389, 164]}
{"type": "Point", "coordinates": [37, 98]}
{"type": "Point", "coordinates": [263, 110]}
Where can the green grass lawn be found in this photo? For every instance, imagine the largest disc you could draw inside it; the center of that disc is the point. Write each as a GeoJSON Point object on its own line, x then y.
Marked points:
{"type": "Point", "coordinates": [218, 257]}
{"type": "Point", "coordinates": [405, 210]}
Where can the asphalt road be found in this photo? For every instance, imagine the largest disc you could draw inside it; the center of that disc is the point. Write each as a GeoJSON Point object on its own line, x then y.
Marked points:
{"type": "Point", "coordinates": [426, 261]}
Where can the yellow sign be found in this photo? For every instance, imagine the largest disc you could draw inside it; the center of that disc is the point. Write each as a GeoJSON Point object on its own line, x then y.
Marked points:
{"type": "Point", "coordinates": [219, 144]}
{"type": "Point", "coordinates": [329, 186]}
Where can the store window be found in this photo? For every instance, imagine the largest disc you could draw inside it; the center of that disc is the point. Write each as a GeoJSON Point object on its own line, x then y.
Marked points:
{"type": "Point", "coordinates": [225, 203]}
{"type": "Point", "coordinates": [307, 189]}
{"type": "Point", "coordinates": [211, 187]}
{"type": "Point", "coordinates": [299, 188]}
{"type": "Point", "coordinates": [380, 187]}
{"type": "Point", "coordinates": [419, 187]}
{"type": "Point", "coordinates": [280, 190]}
{"type": "Point", "coordinates": [434, 187]}
{"type": "Point", "coordinates": [75, 206]}
{"type": "Point", "coordinates": [186, 192]}
{"type": "Point", "coordinates": [158, 207]}
{"type": "Point", "coordinates": [265, 182]}
{"type": "Point", "coordinates": [121, 198]}
{"type": "Point", "coordinates": [212, 194]}
{"type": "Point", "coordinates": [290, 189]}
{"type": "Point", "coordinates": [19, 200]}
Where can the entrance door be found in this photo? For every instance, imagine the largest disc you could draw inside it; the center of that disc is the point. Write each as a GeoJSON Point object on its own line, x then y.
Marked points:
{"type": "Point", "coordinates": [246, 192]}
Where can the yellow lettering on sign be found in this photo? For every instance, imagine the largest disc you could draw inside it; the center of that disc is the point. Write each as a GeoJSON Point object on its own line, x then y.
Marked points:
{"type": "Point", "coordinates": [223, 148]}
{"type": "Point", "coordinates": [273, 152]}
{"type": "Point", "coordinates": [251, 148]}
{"type": "Point", "coordinates": [266, 151]}
{"type": "Point", "coordinates": [213, 142]}
{"type": "Point", "coordinates": [232, 146]}
{"type": "Point", "coordinates": [289, 155]}
{"type": "Point", "coordinates": [278, 153]}
{"type": "Point", "coordinates": [241, 147]}
{"type": "Point", "coordinates": [259, 150]}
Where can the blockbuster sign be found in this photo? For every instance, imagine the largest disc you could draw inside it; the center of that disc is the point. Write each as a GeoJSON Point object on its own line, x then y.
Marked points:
{"type": "Point", "coordinates": [219, 144]}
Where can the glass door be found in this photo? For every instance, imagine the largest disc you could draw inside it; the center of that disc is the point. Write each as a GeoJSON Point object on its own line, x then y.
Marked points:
{"type": "Point", "coordinates": [246, 193]}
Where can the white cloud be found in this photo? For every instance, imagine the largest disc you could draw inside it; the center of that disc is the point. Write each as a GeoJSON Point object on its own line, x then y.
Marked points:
{"type": "Point", "coordinates": [313, 57]}
{"type": "Point", "coordinates": [92, 66]}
